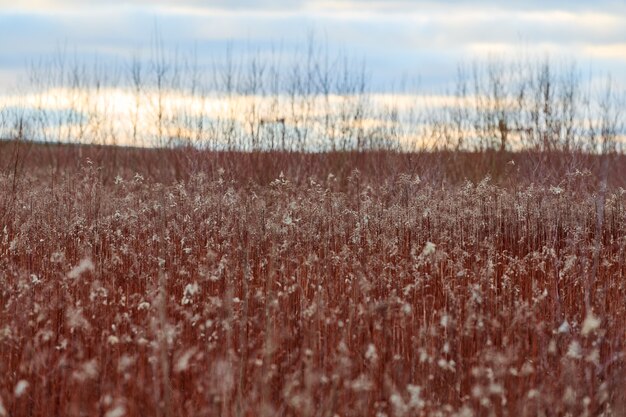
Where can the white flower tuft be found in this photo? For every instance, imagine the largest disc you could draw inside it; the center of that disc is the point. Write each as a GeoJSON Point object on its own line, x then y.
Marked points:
{"type": "Point", "coordinates": [371, 354]}
{"type": "Point", "coordinates": [144, 305]}
{"type": "Point", "coordinates": [20, 388]}
{"type": "Point", "coordinates": [190, 291]}
{"type": "Point", "coordinates": [87, 371]}
{"type": "Point", "coordinates": [564, 327]}
{"type": "Point", "coordinates": [415, 397]}
{"type": "Point", "coordinates": [182, 364]}
{"type": "Point", "coordinates": [117, 411]}
{"type": "Point", "coordinates": [429, 249]}
{"type": "Point", "coordinates": [590, 324]}
{"type": "Point", "coordinates": [556, 190]}
{"type": "Point", "coordinates": [362, 384]}
{"type": "Point", "coordinates": [85, 265]}
{"type": "Point", "coordinates": [574, 350]}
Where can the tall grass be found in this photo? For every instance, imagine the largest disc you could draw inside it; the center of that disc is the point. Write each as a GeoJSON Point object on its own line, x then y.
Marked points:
{"type": "Point", "coordinates": [350, 292]}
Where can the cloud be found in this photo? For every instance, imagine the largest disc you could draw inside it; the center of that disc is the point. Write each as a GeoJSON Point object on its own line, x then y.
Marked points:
{"type": "Point", "coordinates": [395, 37]}
{"type": "Point", "coordinates": [309, 5]}
{"type": "Point", "coordinates": [611, 51]}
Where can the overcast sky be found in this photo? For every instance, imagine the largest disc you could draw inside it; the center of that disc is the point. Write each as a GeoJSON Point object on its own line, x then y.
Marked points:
{"type": "Point", "coordinates": [405, 38]}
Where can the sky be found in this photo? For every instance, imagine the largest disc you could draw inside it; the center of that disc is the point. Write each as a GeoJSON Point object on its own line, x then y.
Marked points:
{"type": "Point", "coordinates": [416, 41]}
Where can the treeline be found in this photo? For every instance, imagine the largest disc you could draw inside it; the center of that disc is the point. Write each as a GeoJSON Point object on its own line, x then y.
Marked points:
{"type": "Point", "coordinates": [311, 100]}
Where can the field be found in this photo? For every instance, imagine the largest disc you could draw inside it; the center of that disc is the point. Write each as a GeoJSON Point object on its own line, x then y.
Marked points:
{"type": "Point", "coordinates": [138, 282]}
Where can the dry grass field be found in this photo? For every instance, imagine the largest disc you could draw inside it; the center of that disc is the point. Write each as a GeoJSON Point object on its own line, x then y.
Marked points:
{"type": "Point", "coordinates": [193, 283]}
